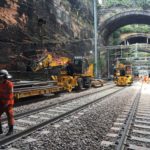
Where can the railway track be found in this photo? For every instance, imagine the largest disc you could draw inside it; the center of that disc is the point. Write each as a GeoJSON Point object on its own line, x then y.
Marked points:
{"type": "Point", "coordinates": [132, 128]}
{"type": "Point", "coordinates": [17, 116]}
{"type": "Point", "coordinates": [37, 119]}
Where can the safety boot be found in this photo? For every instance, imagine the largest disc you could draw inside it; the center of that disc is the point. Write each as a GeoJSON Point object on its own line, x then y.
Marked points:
{"type": "Point", "coordinates": [1, 131]}
{"type": "Point", "coordinates": [10, 131]}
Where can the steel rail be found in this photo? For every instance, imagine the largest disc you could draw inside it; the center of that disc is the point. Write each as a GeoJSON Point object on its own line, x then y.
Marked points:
{"type": "Point", "coordinates": [123, 134]}
{"type": "Point", "coordinates": [7, 140]}
{"type": "Point", "coordinates": [33, 88]}
{"type": "Point", "coordinates": [32, 83]}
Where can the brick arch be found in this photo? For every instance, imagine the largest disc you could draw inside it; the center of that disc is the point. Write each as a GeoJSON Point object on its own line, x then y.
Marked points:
{"type": "Point", "coordinates": [122, 19]}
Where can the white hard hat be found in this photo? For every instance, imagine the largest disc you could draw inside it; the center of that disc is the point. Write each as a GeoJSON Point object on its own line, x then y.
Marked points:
{"type": "Point", "coordinates": [4, 72]}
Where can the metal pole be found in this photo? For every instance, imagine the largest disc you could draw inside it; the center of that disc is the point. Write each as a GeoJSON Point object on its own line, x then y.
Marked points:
{"type": "Point", "coordinates": [136, 50]}
{"type": "Point", "coordinates": [95, 40]}
{"type": "Point", "coordinates": [121, 51]}
{"type": "Point", "coordinates": [108, 63]}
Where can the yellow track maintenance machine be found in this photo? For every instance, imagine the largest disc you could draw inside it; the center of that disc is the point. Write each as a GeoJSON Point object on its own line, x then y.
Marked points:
{"type": "Point", "coordinates": [123, 75]}
{"type": "Point", "coordinates": [69, 74]}
{"type": "Point", "coordinates": [64, 75]}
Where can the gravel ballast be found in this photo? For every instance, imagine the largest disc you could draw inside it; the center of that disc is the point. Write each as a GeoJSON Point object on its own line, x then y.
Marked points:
{"type": "Point", "coordinates": [31, 104]}
{"type": "Point", "coordinates": [84, 130]}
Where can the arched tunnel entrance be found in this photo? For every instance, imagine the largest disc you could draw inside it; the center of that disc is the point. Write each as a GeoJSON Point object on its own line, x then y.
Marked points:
{"type": "Point", "coordinates": [136, 38]}
{"type": "Point", "coordinates": [122, 19]}
{"type": "Point", "coordinates": [118, 21]}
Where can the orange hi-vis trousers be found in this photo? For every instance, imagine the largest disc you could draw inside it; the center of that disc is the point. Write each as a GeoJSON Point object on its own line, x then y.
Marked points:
{"type": "Point", "coordinates": [9, 112]}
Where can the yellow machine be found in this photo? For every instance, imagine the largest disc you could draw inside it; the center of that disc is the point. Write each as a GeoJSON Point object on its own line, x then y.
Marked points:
{"type": "Point", "coordinates": [123, 75]}
{"type": "Point", "coordinates": [49, 61]}
{"type": "Point", "coordinates": [76, 73]}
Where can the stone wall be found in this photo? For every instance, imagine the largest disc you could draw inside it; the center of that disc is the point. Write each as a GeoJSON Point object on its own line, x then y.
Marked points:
{"type": "Point", "coordinates": [28, 27]}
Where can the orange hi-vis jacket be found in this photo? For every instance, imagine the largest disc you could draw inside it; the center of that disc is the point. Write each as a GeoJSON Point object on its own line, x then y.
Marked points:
{"type": "Point", "coordinates": [6, 93]}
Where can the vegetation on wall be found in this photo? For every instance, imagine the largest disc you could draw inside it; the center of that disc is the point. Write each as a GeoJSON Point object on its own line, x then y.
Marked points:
{"type": "Point", "coordinates": [116, 37]}
{"type": "Point", "coordinates": [111, 3]}
{"type": "Point", "coordinates": [129, 3]}
{"type": "Point", "coordinates": [135, 28]}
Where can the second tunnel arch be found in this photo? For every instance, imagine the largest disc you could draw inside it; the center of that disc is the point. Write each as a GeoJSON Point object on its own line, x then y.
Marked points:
{"type": "Point", "coordinates": [133, 38]}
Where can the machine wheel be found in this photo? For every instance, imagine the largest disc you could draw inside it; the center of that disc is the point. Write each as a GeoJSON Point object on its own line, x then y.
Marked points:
{"type": "Point", "coordinates": [80, 84]}
{"type": "Point", "coordinates": [87, 83]}
{"type": "Point", "coordinates": [57, 94]}
{"type": "Point", "coordinates": [69, 86]}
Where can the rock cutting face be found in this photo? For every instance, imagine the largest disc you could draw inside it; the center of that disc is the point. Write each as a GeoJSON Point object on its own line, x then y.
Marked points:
{"type": "Point", "coordinates": [20, 30]}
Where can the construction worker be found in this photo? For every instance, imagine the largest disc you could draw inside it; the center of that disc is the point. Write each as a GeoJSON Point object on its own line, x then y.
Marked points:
{"type": "Point", "coordinates": [145, 79]}
{"type": "Point", "coordinates": [6, 100]}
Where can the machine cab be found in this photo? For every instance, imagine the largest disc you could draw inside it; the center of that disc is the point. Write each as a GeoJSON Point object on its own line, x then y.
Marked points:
{"type": "Point", "coordinates": [80, 64]}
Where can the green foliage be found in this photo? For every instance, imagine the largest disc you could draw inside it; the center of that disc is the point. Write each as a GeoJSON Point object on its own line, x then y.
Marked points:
{"type": "Point", "coordinates": [115, 38]}
{"type": "Point", "coordinates": [135, 28]}
{"type": "Point", "coordinates": [110, 3]}
{"type": "Point", "coordinates": [143, 3]}
{"type": "Point", "coordinates": [102, 64]}
{"type": "Point", "coordinates": [138, 3]}
{"type": "Point", "coordinates": [116, 34]}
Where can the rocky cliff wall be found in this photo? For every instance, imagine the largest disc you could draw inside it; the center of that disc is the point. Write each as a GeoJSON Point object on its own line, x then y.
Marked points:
{"type": "Point", "coordinates": [64, 27]}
